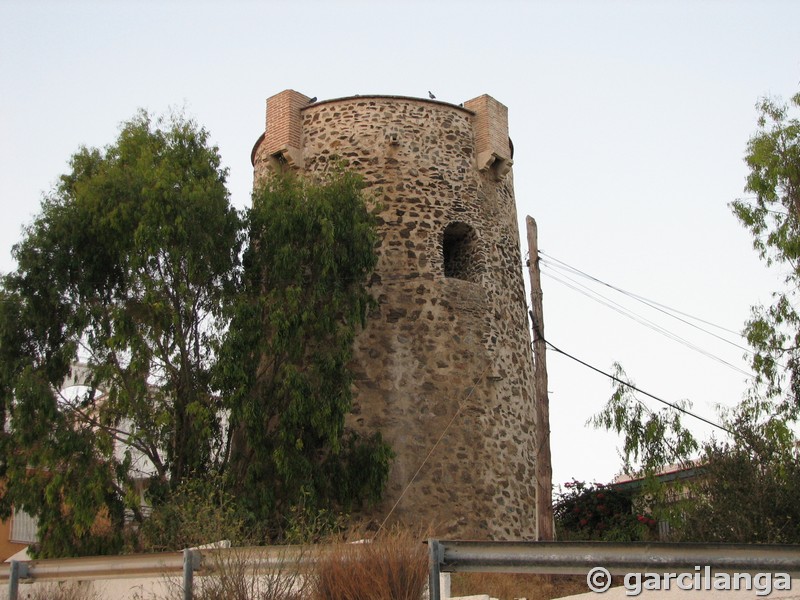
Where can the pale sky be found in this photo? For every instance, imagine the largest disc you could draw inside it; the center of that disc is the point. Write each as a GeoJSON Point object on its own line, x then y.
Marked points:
{"type": "Point", "coordinates": [629, 122]}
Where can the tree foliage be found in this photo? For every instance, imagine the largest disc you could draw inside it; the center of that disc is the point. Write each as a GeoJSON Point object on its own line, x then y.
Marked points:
{"type": "Point", "coordinates": [772, 215]}
{"type": "Point", "coordinates": [285, 363]}
{"type": "Point", "coordinates": [195, 365]}
{"type": "Point", "coordinates": [652, 440]}
{"type": "Point", "coordinates": [199, 511]}
{"type": "Point", "coordinates": [127, 269]}
{"type": "Point", "coordinates": [748, 485]}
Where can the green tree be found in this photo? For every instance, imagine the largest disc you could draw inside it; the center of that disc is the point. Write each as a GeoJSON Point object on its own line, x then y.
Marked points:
{"type": "Point", "coordinates": [285, 362]}
{"type": "Point", "coordinates": [759, 468]}
{"type": "Point", "coordinates": [747, 486]}
{"type": "Point", "coordinates": [772, 215]}
{"type": "Point", "coordinates": [205, 375]}
{"type": "Point", "coordinates": [652, 439]}
{"type": "Point", "coordinates": [128, 267]}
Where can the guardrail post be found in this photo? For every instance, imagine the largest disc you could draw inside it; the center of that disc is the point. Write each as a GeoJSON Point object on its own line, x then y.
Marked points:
{"type": "Point", "coordinates": [434, 562]}
{"type": "Point", "coordinates": [188, 574]}
{"type": "Point", "coordinates": [16, 571]}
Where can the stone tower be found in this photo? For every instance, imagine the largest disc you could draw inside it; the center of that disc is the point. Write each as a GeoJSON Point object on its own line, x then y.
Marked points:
{"type": "Point", "coordinates": [444, 367]}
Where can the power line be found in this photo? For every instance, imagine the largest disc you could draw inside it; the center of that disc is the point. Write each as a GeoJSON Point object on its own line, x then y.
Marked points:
{"type": "Point", "coordinates": [641, 391]}
{"type": "Point", "coordinates": [663, 308]}
{"type": "Point", "coordinates": [651, 303]}
{"type": "Point", "coordinates": [615, 306]}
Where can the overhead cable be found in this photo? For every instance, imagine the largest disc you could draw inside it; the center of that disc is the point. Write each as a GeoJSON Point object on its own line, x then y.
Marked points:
{"type": "Point", "coordinates": [605, 301]}
{"type": "Point", "coordinates": [672, 312]}
{"type": "Point", "coordinates": [641, 391]}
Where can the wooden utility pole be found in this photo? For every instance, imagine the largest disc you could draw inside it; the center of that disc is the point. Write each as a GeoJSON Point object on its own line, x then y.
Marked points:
{"type": "Point", "coordinates": [543, 469]}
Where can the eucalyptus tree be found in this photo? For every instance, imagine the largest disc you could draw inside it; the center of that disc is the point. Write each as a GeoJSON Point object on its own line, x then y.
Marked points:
{"type": "Point", "coordinates": [285, 364]}
{"type": "Point", "coordinates": [772, 214]}
{"type": "Point", "coordinates": [127, 268]}
{"type": "Point", "coordinates": [199, 376]}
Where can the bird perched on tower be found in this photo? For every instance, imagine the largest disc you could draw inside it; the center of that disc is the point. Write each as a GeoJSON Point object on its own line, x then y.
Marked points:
{"type": "Point", "coordinates": [431, 96]}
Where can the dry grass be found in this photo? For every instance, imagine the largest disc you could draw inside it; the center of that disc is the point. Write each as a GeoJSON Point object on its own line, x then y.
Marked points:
{"type": "Point", "coordinates": [243, 574]}
{"type": "Point", "coordinates": [507, 586]}
{"type": "Point", "coordinates": [62, 591]}
{"type": "Point", "coordinates": [236, 577]}
{"type": "Point", "coordinates": [393, 567]}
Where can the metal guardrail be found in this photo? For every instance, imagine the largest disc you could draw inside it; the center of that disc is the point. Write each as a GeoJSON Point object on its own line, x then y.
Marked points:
{"type": "Point", "coordinates": [98, 567]}
{"type": "Point", "coordinates": [185, 564]}
{"type": "Point", "coordinates": [577, 558]}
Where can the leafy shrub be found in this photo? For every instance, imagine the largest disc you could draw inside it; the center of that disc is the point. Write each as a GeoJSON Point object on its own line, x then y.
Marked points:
{"type": "Point", "coordinates": [197, 513]}
{"type": "Point", "coordinates": [748, 489]}
{"type": "Point", "coordinates": [599, 512]}
{"type": "Point", "coordinates": [307, 524]}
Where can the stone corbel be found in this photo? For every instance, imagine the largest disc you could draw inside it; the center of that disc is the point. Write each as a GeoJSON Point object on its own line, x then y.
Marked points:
{"type": "Point", "coordinates": [288, 157]}
{"type": "Point", "coordinates": [501, 167]}
{"type": "Point", "coordinates": [490, 161]}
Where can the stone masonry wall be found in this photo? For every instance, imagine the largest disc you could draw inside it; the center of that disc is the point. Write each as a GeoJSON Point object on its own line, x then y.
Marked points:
{"type": "Point", "coordinates": [439, 352]}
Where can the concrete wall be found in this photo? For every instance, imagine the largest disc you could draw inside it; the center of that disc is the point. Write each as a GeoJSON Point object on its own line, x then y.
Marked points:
{"type": "Point", "coordinates": [445, 343]}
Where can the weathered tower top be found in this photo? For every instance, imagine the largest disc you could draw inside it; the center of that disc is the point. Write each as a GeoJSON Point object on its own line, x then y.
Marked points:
{"type": "Point", "coordinates": [284, 130]}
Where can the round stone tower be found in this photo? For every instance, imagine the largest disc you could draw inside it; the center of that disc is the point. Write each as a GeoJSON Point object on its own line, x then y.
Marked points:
{"type": "Point", "coordinates": [444, 367]}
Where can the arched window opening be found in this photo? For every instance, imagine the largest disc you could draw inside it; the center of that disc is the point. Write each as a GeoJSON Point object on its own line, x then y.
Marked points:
{"type": "Point", "coordinates": [460, 252]}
